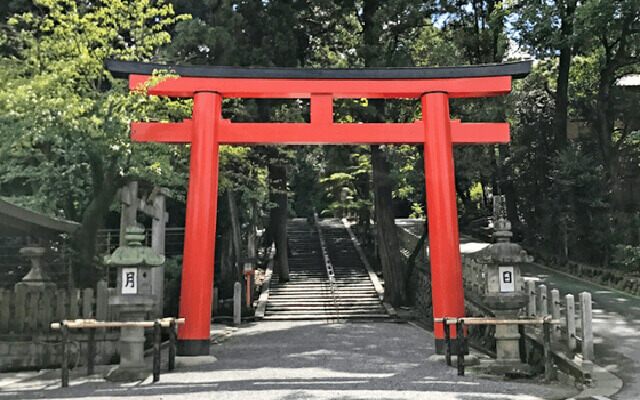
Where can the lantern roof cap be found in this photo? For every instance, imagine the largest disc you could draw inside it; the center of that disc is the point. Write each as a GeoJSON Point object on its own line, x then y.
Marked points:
{"type": "Point", "coordinates": [134, 253]}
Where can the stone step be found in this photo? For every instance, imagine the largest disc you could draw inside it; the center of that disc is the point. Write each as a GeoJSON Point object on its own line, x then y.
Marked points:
{"type": "Point", "coordinates": [322, 300]}
{"type": "Point", "coordinates": [341, 312]}
{"type": "Point", "coordinates": [322, 317]}
{"type": "Point", "coordinates": [289, 307]}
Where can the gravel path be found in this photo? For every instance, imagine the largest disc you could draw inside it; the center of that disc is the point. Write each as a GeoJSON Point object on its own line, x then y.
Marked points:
{"type": "Point", "coordinates": [307, 360]}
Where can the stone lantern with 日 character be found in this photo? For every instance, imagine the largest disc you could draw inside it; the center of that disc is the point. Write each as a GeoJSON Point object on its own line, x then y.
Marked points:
{"type": "Point", "coordinates": [503, 293]}
{"type": "Point", "coordinates": [134, 302]}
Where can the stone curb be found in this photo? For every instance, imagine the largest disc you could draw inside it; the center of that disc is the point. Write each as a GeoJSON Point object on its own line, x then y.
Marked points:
{"type": "Point", "coordinates": [604, 385]}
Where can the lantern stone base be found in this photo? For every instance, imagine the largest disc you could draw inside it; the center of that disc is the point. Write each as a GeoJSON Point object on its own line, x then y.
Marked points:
{"type": "Point", "coordinates": [132, 367]}
{"type": "Point", "coordinates": [469, 360]}
{"type": "Point", "coordinates": [122, 374]}
{"type": "Point", "coordinates": [513, 368]}
{"type": "Point", "coordinates": [194, 361]}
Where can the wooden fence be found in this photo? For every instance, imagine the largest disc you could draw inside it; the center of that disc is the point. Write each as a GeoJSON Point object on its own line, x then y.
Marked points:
{"type": "Point", "coordinates": [31, 310]}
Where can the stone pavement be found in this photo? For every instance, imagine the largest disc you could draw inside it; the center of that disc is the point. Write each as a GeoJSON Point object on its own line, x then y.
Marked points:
{"type": "Point", "coordinates": [303, 360]}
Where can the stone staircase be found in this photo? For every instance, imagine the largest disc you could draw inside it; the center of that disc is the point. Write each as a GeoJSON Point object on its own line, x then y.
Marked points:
{"type": "Point", "coordinates": [307, 294]}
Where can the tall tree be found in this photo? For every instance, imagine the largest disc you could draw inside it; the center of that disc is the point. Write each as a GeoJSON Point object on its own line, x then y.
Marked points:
{"type": "Point", "coordinates": [64, 120]}
{"type": "Point", "coordinates": [547, 28]}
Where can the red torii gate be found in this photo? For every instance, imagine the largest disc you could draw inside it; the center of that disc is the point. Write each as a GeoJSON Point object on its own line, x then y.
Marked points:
{"type": "Point", "coordinates": [206, 130]}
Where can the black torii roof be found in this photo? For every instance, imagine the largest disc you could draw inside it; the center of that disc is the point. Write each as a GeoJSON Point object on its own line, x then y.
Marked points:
{"type": "Point", "coordinates": [520, 69]}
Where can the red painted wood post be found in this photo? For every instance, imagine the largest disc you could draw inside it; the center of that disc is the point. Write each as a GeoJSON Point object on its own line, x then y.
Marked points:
{"type": "Point", "coordinates": [446, 266]}
{"type": "Point", "coordinates": [200, 229]}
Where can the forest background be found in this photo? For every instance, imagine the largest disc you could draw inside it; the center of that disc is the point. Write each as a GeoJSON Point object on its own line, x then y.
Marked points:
{"type": "Point", "coordinates": [571, 174]}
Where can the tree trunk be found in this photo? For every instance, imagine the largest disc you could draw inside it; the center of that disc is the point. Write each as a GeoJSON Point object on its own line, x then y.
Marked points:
{"type": "Point", "coordinates": [235, 235]}
{"type": "Point", "coordinates": [388, 245]}
{"type": "Point", "coordinates": [387, 236]}
{"type": "Point", "coordinates": [106, 187]}
{"type": "Point", "coordinates": [278, 223]}
{"type": "Point", "coordinates": [567, 12]}
{"type": "Point", "coordinates": [562, 99]}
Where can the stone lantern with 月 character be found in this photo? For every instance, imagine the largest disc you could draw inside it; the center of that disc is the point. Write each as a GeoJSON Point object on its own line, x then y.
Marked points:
{"type": "Point", "coordinates": [133, 302]}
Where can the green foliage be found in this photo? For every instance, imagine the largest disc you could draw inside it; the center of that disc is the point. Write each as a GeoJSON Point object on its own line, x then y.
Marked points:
{"type": "Point", "coordinates": [64, 121]}
{"type": "Point", "coordinates": [172, 284]}
{"type": "Point", "coordinates": [626, 257]}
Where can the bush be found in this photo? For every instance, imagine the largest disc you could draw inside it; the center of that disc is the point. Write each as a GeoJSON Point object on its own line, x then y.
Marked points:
{"type": "Point", "coordinates": [626, 257]}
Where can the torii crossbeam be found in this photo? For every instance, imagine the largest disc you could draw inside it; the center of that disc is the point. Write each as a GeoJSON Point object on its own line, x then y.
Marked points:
{"type": "Point", "coordinates": [206, 130]}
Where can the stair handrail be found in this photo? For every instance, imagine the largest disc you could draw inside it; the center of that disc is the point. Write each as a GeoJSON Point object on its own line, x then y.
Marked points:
{"type": "Point", "coordinates": [327, 263]}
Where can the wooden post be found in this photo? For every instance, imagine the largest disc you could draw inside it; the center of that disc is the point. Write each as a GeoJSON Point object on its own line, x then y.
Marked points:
{"type": "Point", "coordinates": [91, 351]}
{"type": "Point", "coordinates": [172, 345]}
{"type": "Point", "coordinates": [65, 360]}
{"type": "Point", "coordinates": [571, 322]}
{"type": "Point", "coordinates": [447, 338]}
{"type": "Point", "coordinates": [461, 345]}
{"type": "Point", "coordinates": [522, 344]}
{"type": "Point", "coordinates": [156, 350]}
{"type": "Point", "coordinates": [555, 314]}
{"type": "Point", "coordinates": [548, 362]}
{"type": "Point", "coordinates": [587, 327]}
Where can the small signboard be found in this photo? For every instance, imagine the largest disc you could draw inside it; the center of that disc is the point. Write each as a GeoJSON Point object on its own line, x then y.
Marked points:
{"type": "Point", "coordinates": [129, 280]}
{"type": "Point", "coordinates": [507, 279]}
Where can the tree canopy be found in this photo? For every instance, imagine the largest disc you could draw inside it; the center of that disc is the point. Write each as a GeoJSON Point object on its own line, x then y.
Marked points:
{"type": "Point", "coordinates": [569, 175]}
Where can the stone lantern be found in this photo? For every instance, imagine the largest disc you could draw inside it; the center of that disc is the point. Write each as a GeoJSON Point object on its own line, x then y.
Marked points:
{"type": "Point", "coordinates": [37, 277]}
{"type": "Point", "coordinates": [133, 302]}
{"type": "Point", "coordinates": [504, 295]}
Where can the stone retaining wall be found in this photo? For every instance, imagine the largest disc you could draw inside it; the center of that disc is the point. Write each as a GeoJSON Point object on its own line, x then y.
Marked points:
{"type": "Point", "coordinates": [23, 352]}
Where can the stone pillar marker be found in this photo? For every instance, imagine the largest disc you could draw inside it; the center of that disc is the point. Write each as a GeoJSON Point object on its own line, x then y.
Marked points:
{"type": "Point", "coordinates": [157, 211]}
{"type": "Point", "coordinates": [555, 314]}
{"type": "Point", "coordinates": [237, 303]}
{"type": "Point", "coordinates": [571, 322]}
{"type": "Point", "coordinates": [587, 326]}
{"type": "Point", "coordinates": [134, 302]}
{"type": "Point", "coordinates": [531, 294]}
{"type": "Point", "coordinates": [542, 301]}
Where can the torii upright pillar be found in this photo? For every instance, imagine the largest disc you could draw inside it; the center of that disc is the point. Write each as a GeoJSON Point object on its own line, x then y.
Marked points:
{"type": "Point", "coordinates": [442, 212]}
{"type": "Point", "coordinates": [207, 129]}
{"type": "Point", "coordinates": [200, 227]}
